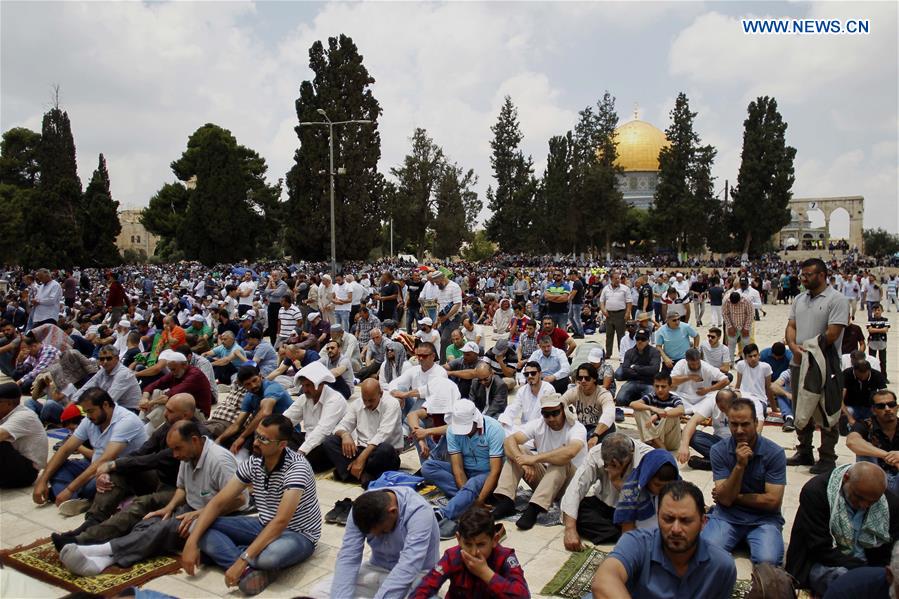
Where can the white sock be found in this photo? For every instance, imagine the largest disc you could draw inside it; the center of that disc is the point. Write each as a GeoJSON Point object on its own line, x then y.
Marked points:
{"type": "Point", "coordinates": [102, 561]}
{"type": "Point", "coordinates": [97, 550]}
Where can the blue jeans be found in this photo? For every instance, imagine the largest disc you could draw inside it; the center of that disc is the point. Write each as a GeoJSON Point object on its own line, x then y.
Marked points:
{"type": "Point", "coordinates": [766, 543]}
{"type": "Point", "coordinates": [859, 412]}
{"type": "Point", "coordinates": [657, 311]}
{"type": "Point", "coordinates": [786, 406]}
{"type": "Point", "coordinates": [574, 315]}
{"type": "Point", "coordinates": [820, 577]}
{"type": "Point", "coordinates": [229, 537]}
{"type": "Point", "coordinates": [49, 411]}
{"type": "Point", "coordinates": [631, 392]}
{"type": "Point", "coordinates": [68, 472]}
{"type": "Point", "coordinates": [560, 318]}
{"type": "Point", "coordinates": [437, 450]}
{"type": "Point", "coordinates": [343, 317]}
{"type": "Point", "coordinates": [441, 474]}
{"type": "Point", "coordinates": [702, 442]}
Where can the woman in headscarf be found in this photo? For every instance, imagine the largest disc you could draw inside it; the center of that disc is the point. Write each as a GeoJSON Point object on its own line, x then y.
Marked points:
{"type": "Point", "coordinates": [394, 364]}
{"type": "Point", "coordinates": [639, 499]}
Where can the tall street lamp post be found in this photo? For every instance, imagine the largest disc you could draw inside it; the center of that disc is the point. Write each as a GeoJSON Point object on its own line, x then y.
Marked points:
{"type": "Point", "coordinates": [330, 125]}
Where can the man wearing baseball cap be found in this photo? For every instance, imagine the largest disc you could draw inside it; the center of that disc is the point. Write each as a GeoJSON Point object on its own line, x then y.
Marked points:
{"type": "Point", "coordinates": [474, 443]}
{"type": "Point", "coordinates": [560, 444]}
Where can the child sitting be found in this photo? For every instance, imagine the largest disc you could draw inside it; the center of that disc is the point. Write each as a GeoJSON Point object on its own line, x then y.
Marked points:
{"type": "Point", "coordinates": [478, 566]}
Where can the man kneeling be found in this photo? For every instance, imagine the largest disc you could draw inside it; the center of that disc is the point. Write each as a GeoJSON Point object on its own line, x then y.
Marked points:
{"type": "Point", "coordinates": [205, 469]}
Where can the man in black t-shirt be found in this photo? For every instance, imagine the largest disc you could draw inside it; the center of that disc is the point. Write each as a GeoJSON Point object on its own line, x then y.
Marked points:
{"type": "Point", "coordinates": [716, 299]}
{"type": "Point", "coordinates": [576, 304]}
{"type": "Point", "coordinates": [698, 289]}
{"type": "Point", "coordinates": [859, 384]}
{"type": "Point", "coordinates": [414, 285]}
{"type": "Point", "coordinates": [388, 297]}
{"type": "Point", "coordinates": [644, 296]}
{"type": "Point", "coordinates": [876, 439]}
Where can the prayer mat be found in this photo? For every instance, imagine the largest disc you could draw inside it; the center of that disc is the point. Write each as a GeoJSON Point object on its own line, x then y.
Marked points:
{"type": "Point", "coordinates": [575, 578]}
{"type": "Point", "coordinates": [551, 517]}
{"type": "Point", "coordinates": [40, 560]}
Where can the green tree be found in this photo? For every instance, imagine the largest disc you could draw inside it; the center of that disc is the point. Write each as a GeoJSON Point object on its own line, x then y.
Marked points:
{"type": "Point", "coordinates": [18, 157]}
{"type": "Point", "coordinates": [880, 242]}
{"type": "Point", "coordinates": [51, 219]}
{"type": "Point", "coordinates": [226, 218]}
{"type": "Point", "coordinates": [683, 198]}
{"type": "Point", "coordinates": [553, 198]}
{"type": "Point", "coordinates": [341, 86]}
{"type": "Point", "coordinates": [100, 220]}
{"type": "Point", "coordinates": [165, 212]}
{"type": "Point", "coordinates": [415, 202]}
{"type": "Point", "coordinates": [457, 205]}
{"type": "Point", "coordinates": [479, 248]}
{"type": "Point", "coordinates": [512, 200]}
{"type": "Point", "coordinates": [19, 174]}
{"type": "Point", "coordinates": [764, 184]}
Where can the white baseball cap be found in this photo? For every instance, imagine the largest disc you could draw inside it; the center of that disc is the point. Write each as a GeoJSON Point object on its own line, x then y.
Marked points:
{"type": "Point", "coordinates": [464, 415]}
{"type": "Point", "coordinates": [471, 346]}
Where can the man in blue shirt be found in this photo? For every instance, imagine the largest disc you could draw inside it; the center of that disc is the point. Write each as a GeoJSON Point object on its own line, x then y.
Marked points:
{"type": "Point", "coordinates": [261, 352]}
{"type": "Point", "coordinates": [672, 561]}
{"type": "Point", "coordinates": [750, 475]}
{"type": "Point", "coordinates": [674, 339]}
{"type": "Point", "coordinates": [474, 443]}
{"type": "Point", "coordinates": [778, 357]}
{"type": "Point", "coordinates": [263, 398]}
{"type": "Point", "coordinates": [401, 530]}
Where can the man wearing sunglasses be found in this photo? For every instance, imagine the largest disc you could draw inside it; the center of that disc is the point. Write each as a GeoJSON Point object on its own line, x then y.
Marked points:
{"type": "Point", "coordinates": [674, 339]}
{"type": "Point", "coordinates": [560, 444]}
{"type": "Point", "coordinates": [252, 549]}
{"type": "Point", "coordinates": [115, 379]}
{"type": "Point", "coordinates": [877, 437]}
{"type": "Point", "coordinates": [527, 400]}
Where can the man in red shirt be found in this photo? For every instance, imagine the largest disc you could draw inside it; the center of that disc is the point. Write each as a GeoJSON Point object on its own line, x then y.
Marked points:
{"type": "Point", "coordinates": [561, 339]}
{"type": "Point", "coordinates": [116, 301]}
{"type": "Point", "coordinates": [181, 378]}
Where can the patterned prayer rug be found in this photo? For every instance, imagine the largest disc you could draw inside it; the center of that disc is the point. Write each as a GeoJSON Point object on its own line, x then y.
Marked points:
{"type": "Point", "coordinates": [40, 560]}
{"type": "Point", "coordinates": [574, 579]}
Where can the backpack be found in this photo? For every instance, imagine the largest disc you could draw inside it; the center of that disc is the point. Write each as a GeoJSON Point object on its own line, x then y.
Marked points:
{"type": "Point", "coordinates": [771, 582]}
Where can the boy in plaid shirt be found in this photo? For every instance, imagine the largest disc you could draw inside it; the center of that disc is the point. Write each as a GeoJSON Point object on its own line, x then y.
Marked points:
{"type": "Point", "coordinates": [478, 567]}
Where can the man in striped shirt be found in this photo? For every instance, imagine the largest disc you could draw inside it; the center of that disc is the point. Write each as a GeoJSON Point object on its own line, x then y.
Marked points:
{"type": "Point", "coordinates": [658, 415]}
{"type": "Point", "coordinates": [252, 549]}
{"type": "Point", "coordinates": [288, 317]}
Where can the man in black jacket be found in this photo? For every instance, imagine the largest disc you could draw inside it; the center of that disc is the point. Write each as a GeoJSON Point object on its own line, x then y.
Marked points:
{"type": "Point", "coordinates": [150, 473]}
{"type": "Point", "coordinates": [639, 365]}
{"type": "Point", "coordinates": [816, 556]}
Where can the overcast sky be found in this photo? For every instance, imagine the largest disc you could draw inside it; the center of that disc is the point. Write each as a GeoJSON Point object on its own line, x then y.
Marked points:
{"type": "Point", "coordinates": [137, 79]}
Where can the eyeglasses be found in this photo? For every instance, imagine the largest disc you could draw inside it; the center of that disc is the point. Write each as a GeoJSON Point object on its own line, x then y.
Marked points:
{"type": "Point", "coordinates": [105, 358]}
{"type": "Point", "coordinates": [532, 373]}
{"type": "Point", "coordinates": [674, 318]}
{"type": "Point", "coordinates": [551, 413]}
{"type": "Point", "coordinates": [423, 356]}
{"type": "Point", "coordinates": [585, 377]}
{"type": "Point", "coordinates": [884, 406]}
{"type": "Point", "coordinates": [712, 336]}
{"type": "Point", "coordinates": [263, 440]}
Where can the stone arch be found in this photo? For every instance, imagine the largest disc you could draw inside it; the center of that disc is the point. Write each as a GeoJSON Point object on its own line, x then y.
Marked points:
{"type": "Point", "coordinates": [853, 205]}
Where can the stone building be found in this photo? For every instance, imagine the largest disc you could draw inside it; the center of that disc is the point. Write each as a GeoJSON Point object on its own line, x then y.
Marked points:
{"type": "Point", "coordinates": [134, 236]}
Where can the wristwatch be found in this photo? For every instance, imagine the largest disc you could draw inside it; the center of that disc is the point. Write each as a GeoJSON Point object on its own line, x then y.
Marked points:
{"type": "Point", "coordinates": [245, 557]}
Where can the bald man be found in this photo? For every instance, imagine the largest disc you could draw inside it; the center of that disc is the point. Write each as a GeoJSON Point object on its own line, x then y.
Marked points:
{"type": "Point", "coordinates": [150, 473]}
{"type": "Point", "coordinates": [846, 519]}
{"type": "Point", "coordinates": [367, 441]}
{"type": "Point", "coordinates": [488, 391]}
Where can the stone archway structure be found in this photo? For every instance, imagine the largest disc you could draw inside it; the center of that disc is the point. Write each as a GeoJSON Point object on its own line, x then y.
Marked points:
{"type": "Point", "coordinates": [854, 205]}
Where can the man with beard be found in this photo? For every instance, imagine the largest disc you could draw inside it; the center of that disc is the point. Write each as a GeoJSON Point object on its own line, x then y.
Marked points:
{"type": "Point", "coordinates": [672, 560]}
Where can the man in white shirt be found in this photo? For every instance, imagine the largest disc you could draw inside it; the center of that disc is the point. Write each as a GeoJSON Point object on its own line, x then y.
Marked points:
{"type": "Point", "coordinates": [23, 441]}
{"type": "Point", "coordinates": [615, 304]}
{"type": "Point", "coordinates": [46, 302]}
{"type": "Point", "coordinates": [526, 404]}
{"type": "Point", "coordinates": [367, 441]}
{"type": "Point", "coordinates": [560, 444]}
{"type": "Point", "coordinates": [754, 382]}
{"type": "Point", "coordinates": [681, 285]}
{"type": "Point", "coordinates": [701, 441]}
{"type": "Point", "coordinates": [343, 301]}
{"type": "Point", "coordinates": [696, 381]}
{"type": "Point", "coordinates": [716, 353]}
{"type": "Point", "coordinates": [413, 383]}
{"type": "Point", "coordinates": [852, 291]}
{"type": "Point", "coordinates": [607, 466]}
{"type": "Point", "coordinates": [245, 292]}
{"type": "Point", "coordinates": [320, 409]}
{"type": "Point", "coordinates": [449, 309]}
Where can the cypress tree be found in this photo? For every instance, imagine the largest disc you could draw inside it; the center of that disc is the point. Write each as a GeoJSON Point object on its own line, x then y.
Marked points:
{"type": "Point", "coordinates": [100, 221]}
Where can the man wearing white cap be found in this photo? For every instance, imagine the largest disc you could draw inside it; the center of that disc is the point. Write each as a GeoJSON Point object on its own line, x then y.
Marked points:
{"type": "Point", "coordinates": [560, 444]}
{"type": "Point", "coordinates": [474, 443]}
{"type": "Point", "coordinates": [200, 328]}
{"type": "Point", "coordinates": [426, 332]}
{"type": "Point", "coordinates": [181, 378]}
{"type": "Point", "coordinates": [320, 409]}
{"type": "Point", "coordinates": [461, 370]}
{"type": "Point", "coordinates": [120, 336]}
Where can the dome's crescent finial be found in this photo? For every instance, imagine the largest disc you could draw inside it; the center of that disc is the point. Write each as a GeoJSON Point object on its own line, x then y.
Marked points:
{"type": "Point", "coordinates": [636, 111]}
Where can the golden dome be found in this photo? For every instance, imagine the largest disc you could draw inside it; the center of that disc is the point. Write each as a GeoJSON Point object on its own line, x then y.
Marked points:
{"type": "Point", "coordinates": [639, 144]}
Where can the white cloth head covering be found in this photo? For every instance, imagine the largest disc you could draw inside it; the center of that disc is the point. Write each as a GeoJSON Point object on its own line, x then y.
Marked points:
{"type": "Point", "coordinates": [315, 372]}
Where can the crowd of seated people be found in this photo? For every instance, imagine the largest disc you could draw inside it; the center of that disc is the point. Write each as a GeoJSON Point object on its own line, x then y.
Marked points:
{"type": "Point", "coordinates": [215, 435]}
